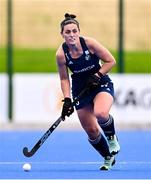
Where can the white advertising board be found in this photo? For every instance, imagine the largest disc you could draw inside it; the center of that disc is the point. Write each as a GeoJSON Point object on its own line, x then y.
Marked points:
{"type": "Point", "coordinates": [37, 99]}
{"type": "Point", "coordinates": [3, 98]}
{"type": "Point", "coordinates": [132, 99]}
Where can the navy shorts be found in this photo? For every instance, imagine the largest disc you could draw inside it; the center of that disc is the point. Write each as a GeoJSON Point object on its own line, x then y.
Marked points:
{"type": "Point", "coordinates": [106, 86]}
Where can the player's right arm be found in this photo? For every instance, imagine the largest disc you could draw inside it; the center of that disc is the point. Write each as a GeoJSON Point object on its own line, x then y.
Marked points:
{"type": "Point", "coordinates": [63, 72]}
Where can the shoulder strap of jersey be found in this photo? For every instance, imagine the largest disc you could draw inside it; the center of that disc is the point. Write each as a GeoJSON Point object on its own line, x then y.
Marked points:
{"type": "Point", "coordinates": [84, 46]}
{"type": "Point", "coordinates": [66, 52]}
{"type": "Point", "coordinates": [65, 48]}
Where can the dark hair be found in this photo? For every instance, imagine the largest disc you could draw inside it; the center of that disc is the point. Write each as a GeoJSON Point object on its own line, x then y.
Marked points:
{"type": "Point", "coordinates": [69, 19]}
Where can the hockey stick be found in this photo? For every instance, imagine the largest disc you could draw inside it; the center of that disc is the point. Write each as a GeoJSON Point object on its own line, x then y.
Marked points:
{"type": "Point", "coordinates": [30, 153]}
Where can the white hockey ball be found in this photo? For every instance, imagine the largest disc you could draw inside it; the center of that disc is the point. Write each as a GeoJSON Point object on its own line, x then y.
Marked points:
{"type": "Point", "coordinates": [26, 167]}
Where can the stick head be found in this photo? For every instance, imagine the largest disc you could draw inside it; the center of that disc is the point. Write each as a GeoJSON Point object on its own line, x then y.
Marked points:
{"type": "Point", "coordinates": [26, 153]}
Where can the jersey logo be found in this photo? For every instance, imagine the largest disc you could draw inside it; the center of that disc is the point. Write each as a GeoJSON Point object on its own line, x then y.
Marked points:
{"type": "Point", "coordinates": [70, 62]}
{"type": "Point", "coordinates": [87, 55]}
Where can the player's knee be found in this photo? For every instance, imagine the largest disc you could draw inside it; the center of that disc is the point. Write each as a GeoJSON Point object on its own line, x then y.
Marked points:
{"type": "Point", "coordinates": [101, 114]}
{"type": "Point", "coordinates": [92, 132]}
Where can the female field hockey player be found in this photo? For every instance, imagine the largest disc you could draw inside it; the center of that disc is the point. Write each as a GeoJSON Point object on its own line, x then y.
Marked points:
{"type": "Point", "coordinates": [83, 57]}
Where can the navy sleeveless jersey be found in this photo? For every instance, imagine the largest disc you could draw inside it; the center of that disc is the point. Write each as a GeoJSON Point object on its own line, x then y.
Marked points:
{"type": "Point", "coordinates": [81, 68]}
{"type": "Point", "coordinates": [86, 64]}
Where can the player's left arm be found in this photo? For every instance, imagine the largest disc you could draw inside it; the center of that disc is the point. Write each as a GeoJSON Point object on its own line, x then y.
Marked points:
{"type": "Point", "coordinates": [103, 53]}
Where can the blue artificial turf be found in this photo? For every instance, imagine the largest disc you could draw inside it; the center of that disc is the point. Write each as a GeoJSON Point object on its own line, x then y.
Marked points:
{"type": "Point", "coordinates": [68, 155]}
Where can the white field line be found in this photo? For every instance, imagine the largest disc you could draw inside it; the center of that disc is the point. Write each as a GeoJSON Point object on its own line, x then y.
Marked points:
{"type": "Point", "coordinates": [72, 162]}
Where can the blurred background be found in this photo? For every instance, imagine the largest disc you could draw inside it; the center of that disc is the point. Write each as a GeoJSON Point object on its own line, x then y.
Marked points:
{"type": "Point", "coordinates": [29, 36]}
